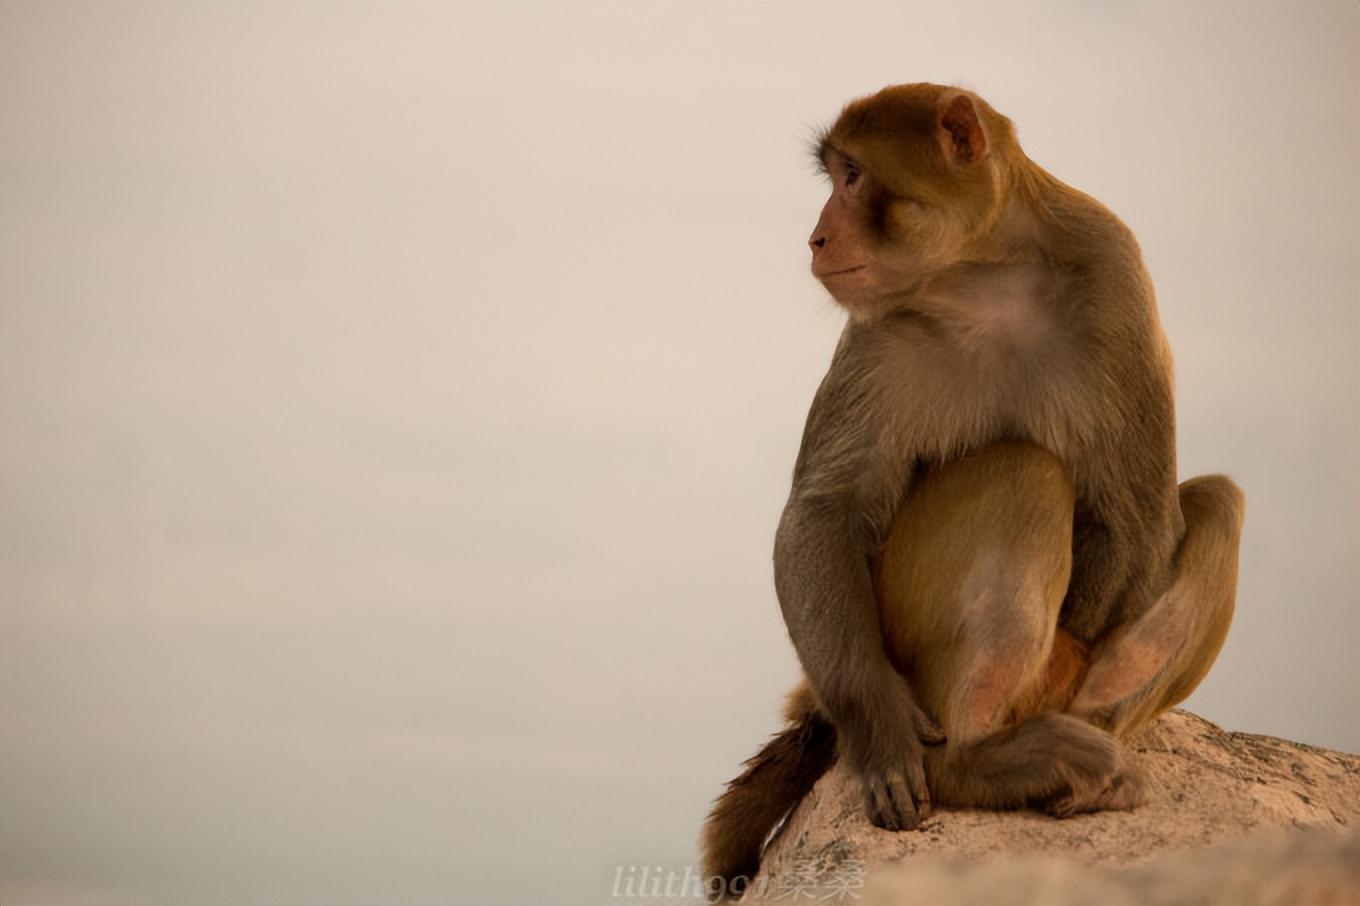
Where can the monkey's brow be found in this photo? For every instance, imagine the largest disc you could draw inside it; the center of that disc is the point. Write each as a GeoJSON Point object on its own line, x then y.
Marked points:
{"type": "Point", "coordinates": [819, 147]}
{"type": "Point", "coordinates": [819, 143]}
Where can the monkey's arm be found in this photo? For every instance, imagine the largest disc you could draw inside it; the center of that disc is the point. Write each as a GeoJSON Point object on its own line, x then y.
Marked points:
{"type": "Point", "coordinates": [848, 482]}
{"type": "Point", "coordinates": [822, 579]}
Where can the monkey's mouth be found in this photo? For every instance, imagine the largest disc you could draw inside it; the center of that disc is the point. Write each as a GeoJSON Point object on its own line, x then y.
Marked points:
{"type": "Point", "coordinates": [822, 275]}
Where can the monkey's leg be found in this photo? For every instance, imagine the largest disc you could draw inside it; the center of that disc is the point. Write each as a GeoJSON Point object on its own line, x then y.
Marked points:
{"type": "Point", "coordinates": [970, 582]}
{"type": "Point", "coordinates": [1153, 662]}
{"type": "Point", "coordinates": [970, 585]}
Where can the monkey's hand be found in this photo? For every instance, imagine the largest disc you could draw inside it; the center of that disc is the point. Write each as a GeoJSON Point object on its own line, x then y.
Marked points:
{"type": "Point", "coordinates": [896, 796]}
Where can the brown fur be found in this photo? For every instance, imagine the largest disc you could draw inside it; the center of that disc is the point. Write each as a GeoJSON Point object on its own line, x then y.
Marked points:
{"type": "Point", "coordinates": [775, 780]}
{"type": "Point", "coordinates": [984, 529]}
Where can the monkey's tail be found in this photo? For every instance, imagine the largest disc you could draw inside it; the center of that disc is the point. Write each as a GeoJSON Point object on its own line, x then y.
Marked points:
{"type": "Point", "coordinates": [754, 804]}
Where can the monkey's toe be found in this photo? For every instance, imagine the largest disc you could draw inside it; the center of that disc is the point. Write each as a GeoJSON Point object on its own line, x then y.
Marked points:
{"type": "Point", "coordinates": [1127, 790]}
{"type": "Point", "coordinates": [1063, 805]}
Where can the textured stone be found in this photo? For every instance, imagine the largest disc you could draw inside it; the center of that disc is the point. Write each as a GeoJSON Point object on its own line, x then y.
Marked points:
{"type": "Point", "coordinates": [1206, 786]}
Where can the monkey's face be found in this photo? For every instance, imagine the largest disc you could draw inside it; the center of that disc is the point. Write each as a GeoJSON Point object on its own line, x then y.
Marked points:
{"type": "Point", "coordinates": [870, 244]}
{"type": "Point", "coordinates": [845, 254]}
{"type": "Point", "coordinates": [911, 189]}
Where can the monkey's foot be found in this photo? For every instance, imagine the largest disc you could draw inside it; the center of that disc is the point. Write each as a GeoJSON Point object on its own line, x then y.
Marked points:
{"type": "Point", "coordinates": [1124, 791]}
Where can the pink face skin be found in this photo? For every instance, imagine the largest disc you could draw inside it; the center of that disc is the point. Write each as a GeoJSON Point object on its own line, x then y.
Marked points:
{"type": "Point", "coordinates": [837, 248]}
{"type": "Point", "coordinates": [847, 256]}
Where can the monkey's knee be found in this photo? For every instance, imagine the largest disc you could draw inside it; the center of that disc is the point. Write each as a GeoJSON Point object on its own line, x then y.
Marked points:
{"type": "Point", "coordinates": [984, 696]}
{"type": "Point", "coordinates": [1000, 664]}
{"type": "Point", "coordinates": [1155, 661]}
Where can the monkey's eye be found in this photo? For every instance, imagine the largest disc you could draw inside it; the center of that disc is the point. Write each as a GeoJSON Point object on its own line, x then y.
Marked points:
{"type": "Point", "coordinates": [852, 174]}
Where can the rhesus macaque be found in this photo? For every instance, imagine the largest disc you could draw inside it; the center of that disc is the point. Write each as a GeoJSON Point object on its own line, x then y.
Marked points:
{"type": "Point", "coordinates": [985, 563]}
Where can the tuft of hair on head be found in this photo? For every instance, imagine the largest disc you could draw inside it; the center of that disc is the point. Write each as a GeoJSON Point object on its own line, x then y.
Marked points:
{"type": "Point", "coordinates": [817, 143]}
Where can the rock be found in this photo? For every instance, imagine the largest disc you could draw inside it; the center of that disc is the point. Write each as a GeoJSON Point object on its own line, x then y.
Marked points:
{"type": "Point", "coordinates": [1205, 786]}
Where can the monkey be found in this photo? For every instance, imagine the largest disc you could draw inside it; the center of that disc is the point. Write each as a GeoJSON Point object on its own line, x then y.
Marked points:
{"type": "Point", "coordinates": [985, 564]}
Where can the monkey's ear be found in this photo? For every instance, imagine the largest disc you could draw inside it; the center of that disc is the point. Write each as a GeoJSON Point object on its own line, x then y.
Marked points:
{"type": "Point", "coordinates": [960, 131]}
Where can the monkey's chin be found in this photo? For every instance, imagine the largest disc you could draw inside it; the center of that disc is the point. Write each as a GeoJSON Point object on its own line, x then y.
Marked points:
{"type": "Point", "coordinates": [861, 301]}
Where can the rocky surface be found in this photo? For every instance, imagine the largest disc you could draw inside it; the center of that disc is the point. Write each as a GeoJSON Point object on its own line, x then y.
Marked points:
{"type": "Point", "coordinates": [1206, 786]}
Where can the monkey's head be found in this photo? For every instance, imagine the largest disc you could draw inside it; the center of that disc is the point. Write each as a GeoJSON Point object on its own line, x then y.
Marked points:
{"type": "Point", "coordinates": [918, 176]}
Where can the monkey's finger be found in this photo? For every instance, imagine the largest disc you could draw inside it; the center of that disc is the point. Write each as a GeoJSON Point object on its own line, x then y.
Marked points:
{"type": "Point", "coordinates": [893, 808]}
{"type": "Point", "coordinates": [903, 803]}
{"type": "Point", "coordinates": [906, 802]}
{"type": "Point", "coordinates": [927, 730]}
{"type": "Point", "coordinates": [920, 792]}
{"type": "Point", "coordinates": [879, 805]}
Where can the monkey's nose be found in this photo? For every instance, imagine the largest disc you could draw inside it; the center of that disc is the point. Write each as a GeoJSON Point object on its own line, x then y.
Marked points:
{"type": "Point", "coordinates": [817, 243]}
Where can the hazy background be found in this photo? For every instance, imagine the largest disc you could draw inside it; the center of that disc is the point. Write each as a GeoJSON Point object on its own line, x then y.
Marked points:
{"type": "Point", "coordinates": [397, 403]}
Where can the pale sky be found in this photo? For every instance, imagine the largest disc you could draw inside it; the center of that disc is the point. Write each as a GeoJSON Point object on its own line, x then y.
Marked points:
{"type": "Point", "coordinates": [397, 403]}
